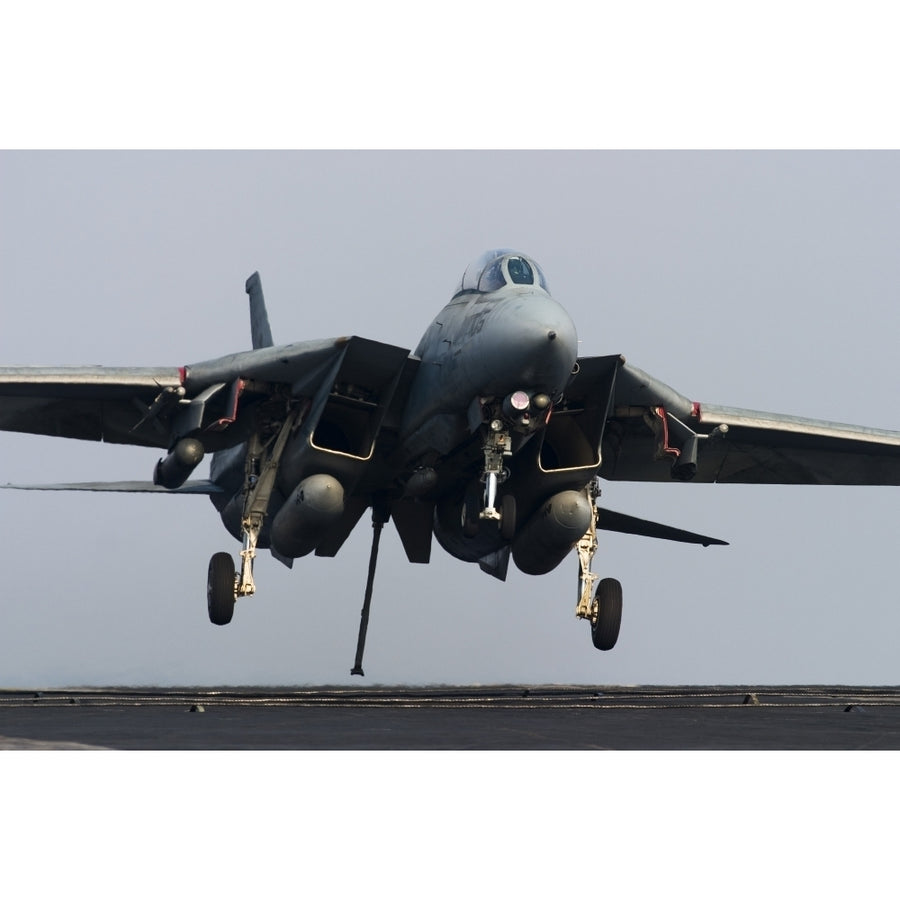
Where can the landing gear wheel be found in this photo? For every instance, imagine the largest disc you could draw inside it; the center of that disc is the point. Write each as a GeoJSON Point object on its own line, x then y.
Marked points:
{"type": "Point", "coordinates": [608, 615]}
{"type": "Point", "coordinates": [470, 509]}
{"type": "Point", "coordinates": [220, 589]}
{"type": "Point", "coordinates": [508, 517]}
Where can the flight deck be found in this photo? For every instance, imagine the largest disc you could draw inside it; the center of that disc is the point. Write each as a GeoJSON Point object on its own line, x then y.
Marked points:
{"type": "Point", "coordinates": [508, 717]}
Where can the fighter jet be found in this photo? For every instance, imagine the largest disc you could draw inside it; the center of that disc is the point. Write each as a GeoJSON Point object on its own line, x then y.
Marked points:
{"type": "Point", "coordinates": [492, 437]}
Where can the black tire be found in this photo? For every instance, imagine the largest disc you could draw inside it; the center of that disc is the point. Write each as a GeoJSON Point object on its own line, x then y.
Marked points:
{"type": "Point", "coordinates": [508, 517]}
{"type": "Point", "coordinates": [605, 631]}
{"type": "Point", "coordinates": [470, 510]}
{"type": "Point", "coordinates": [220, 589]}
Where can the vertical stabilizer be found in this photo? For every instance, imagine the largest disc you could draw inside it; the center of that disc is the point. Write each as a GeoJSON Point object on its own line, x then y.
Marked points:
{"type": "Point", "coordinates": [259, 318]}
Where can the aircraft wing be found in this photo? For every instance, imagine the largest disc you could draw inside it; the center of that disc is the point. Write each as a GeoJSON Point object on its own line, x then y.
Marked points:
{"type": "Point", "coordinates": [212, 400]}
{"type": "Point", "coordinates": [88, 402]}
{"type": "Point", "coordinates": [654, 433]}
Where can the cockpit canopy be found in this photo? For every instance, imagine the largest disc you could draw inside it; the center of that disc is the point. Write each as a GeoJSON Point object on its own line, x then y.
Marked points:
{"type": "Point", "coordinates": [498, 268]}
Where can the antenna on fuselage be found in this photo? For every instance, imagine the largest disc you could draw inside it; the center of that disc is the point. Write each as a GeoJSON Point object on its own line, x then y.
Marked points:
{"type": "Point", "coordinates": [260, 332]}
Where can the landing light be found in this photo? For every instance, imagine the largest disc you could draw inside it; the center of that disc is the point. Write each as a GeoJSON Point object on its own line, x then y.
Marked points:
{"type": "Point", "coordinates": [516, 404]}
{"type": "Point", "coordinates": [519, 400]}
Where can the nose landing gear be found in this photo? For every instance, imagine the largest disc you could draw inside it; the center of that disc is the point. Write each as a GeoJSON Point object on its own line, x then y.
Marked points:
{"type": "Point", "coordinates": [497, 445]}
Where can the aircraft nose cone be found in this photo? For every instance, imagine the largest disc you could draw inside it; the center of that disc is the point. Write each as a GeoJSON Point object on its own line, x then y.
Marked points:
{"type": "Point", "coordinates": [538, 343]}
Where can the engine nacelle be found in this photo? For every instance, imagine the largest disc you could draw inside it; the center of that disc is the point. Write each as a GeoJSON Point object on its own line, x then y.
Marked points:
{"type": "Point", "coordinates": [175, 469]}
{"type": "Point", "coordinates": [316, 504]}
{"type": "Point", "coordinates": [551, 532]}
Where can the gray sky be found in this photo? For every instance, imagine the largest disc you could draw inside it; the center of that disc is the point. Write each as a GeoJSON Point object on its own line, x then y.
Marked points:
{"type": "Point", "coordinates": [759, 279]}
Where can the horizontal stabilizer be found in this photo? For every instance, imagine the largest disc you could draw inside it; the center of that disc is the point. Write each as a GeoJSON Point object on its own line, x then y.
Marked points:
{"type": "Point", "coordinates": [126, 487]}
{"type": "Point", "coordinates": [608, 520]}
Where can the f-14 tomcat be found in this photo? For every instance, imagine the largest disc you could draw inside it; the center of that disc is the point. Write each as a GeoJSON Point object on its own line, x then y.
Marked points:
{"type": "Point", "coordinates": [491, 437]}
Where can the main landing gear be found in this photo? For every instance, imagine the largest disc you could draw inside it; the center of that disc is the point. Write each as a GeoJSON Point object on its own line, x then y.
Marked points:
{"type": "Point", "coordinates": [604, 609]}
{"type": "Point", "coordinates": [224, 585]}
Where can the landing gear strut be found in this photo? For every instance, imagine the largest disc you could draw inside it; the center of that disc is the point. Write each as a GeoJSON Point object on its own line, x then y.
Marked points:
{"type": "Point", "coordinates": [603, 608]}
{"type": "Point", "coordinates": [260, 471]}
{"type": "Point", "coordinates": [497, 445]}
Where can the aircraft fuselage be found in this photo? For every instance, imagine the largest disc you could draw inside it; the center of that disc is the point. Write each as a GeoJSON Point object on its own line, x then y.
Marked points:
{"type": "Point", "coordinates": [490, 367]}
{"type": "Point", "coordinates": [484, 346]}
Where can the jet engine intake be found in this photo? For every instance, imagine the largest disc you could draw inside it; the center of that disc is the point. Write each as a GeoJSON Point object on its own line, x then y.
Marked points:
{"type": "Point", "coordinates": [175, 469]}
{"type": "Point", "coordinates": [551, 532]}
{"type": "Point", "coordinates": [316, 504]}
